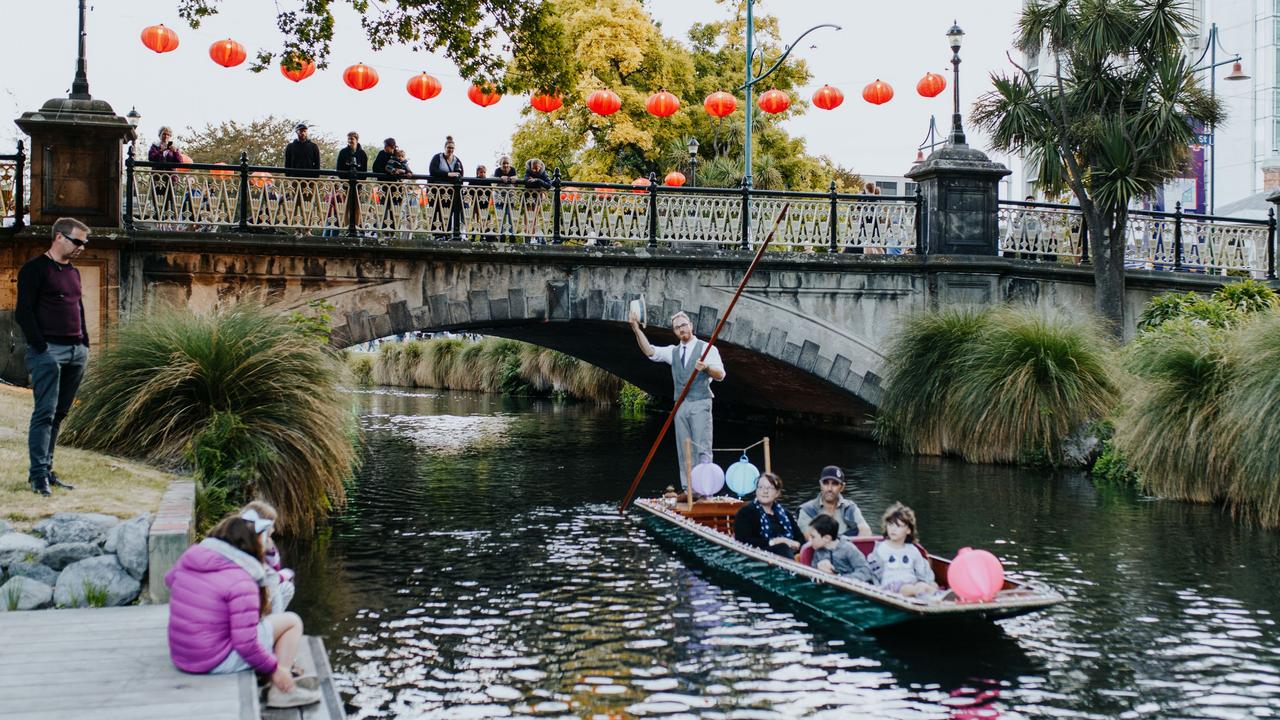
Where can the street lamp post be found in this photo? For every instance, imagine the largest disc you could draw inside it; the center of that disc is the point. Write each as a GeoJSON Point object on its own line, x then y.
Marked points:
{"type": "Point", "coordinates": [1212, 43]}
{"type": "Point", "coordinates": [752, 79]}
{"type": "Point", "coordinates": [693, 161]}
{"type": "Point", "coordinates": [954, 36]}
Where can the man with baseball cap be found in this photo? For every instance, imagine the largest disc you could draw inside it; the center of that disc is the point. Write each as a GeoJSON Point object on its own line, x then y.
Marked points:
{"type": "Point", "coordinates": [831, 501]}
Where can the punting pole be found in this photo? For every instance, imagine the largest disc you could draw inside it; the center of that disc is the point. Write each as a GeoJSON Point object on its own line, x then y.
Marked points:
{"type": "Point", "coordinates": [635, 483]}
{"type": "Point", "coordinates": [768, 459]}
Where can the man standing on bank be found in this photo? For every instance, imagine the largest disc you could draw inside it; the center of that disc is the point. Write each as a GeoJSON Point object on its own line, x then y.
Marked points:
{"type": "Point", "coordinates": [51, 315]}
{"type": "Point", "coordinates": [693, 419]}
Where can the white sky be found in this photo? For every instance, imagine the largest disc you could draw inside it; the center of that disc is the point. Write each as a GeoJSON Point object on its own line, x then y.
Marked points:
{"type": "Point", "coordinates": [894, 41]}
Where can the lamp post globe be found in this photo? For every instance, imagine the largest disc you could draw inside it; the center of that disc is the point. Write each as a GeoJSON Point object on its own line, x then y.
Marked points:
{"type": "Point", "coordinates": [692, 147]}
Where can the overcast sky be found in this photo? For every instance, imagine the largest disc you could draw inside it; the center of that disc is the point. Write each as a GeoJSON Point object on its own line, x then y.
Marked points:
{"type": "Point", "coordinates": [894, 41]}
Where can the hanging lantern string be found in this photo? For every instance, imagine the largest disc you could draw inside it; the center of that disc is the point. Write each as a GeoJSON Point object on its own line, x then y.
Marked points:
{"type": "Point", "coordinates": [741, 450]}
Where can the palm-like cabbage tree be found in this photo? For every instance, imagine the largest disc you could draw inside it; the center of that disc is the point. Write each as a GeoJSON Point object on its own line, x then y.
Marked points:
{"type": "Point", "coordinates": [1109, 119]}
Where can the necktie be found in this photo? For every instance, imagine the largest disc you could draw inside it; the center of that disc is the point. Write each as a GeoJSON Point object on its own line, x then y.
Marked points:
{"type": "Point", "coordinates": [682, 349]}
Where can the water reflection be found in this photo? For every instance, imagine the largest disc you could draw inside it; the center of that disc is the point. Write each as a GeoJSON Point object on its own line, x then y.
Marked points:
{"type": "Point", "coordinates": [481, 571]}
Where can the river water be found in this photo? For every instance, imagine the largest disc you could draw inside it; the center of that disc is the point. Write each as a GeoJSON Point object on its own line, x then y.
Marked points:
{"type": "Point", "coordinates": [481, 570]}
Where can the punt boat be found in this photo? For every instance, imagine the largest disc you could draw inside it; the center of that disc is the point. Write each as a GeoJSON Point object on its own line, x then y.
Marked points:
{"type": "Point", "coordinates": [703, 530]}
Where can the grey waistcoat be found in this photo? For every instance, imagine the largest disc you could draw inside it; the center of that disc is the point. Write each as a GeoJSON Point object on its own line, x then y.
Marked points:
{"type": "Point", "coordinates": [701, 389]}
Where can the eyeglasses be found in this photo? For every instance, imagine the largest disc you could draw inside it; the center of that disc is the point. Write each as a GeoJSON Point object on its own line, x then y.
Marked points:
{"type": "Point", "coordinates": [78, 242]}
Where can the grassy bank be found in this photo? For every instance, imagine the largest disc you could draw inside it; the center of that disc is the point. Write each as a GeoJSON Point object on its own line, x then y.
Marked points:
{"type": "Point", "coordinates": [492, 365]}
{"type": "Point", "coordinates": [104, 483]}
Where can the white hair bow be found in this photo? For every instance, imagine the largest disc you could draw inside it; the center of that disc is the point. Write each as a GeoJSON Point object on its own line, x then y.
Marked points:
{"type": "Point", "coordinates": [260, 524]}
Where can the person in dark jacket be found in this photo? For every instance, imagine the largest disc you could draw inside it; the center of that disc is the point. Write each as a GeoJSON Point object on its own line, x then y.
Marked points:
{"type": "Point", "coordinates": [535, 175]}
{"type": "Point", "coordinates": [447, 168]}
{"type": "Point", "coordinates": [352, 158]}
{"type": "Point", "coordinates": [764, 523]}
{"type": "Point", "coordinates": [51, 314]}
{"type": "Point", "coordinates": [505, 177]}
{"type": "Point", "coordinates": [386, 155]}
{"type": "Point", "coordinates": [302, 154]}
{"type": "Point", "coordinates": [162, 184]}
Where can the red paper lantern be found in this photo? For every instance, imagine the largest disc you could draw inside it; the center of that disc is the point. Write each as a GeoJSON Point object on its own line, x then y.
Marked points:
{"type": "Point", "coordinates": [227, 53]}
{"type": "Point", "coordinates": [546, 103]}
{"type": "Point", "coordinates": [604, 102]}
{"type": "Point", "coordinates": [878, 92]}
{"type": "Point", "coordinates": [305, 70]}
{"type": "Point", "coordinates": [483, 96]}
{"type": "Point", "coordinates": [774, 101]}
{"type": "Point", "coordinates": [640, 184]}
{"type": "Point", "coordinates": [662, 104]}
{"type": "Point", "coordinates": [221, 172]}
{"type": "Point", "coordinates": [931, 84]}
{"type": "Point", "coordinates": [828, 98]}
{"type": "Point", "coordinates": [159, 38]}
{"type": "Point", "coordinates": [674, 178]}
{"type": "Point", "coordinates": [360, 77]}
{"type": "Point", "coordinates": [720, 103]}
{"type": "Point", "coordinates": [423, 86]}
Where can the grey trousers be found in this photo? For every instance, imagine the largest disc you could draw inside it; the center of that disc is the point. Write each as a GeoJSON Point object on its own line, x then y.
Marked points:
{"type": "Point", "coordinates": [55, 377]}
{"type": "Point", "coordinates": [693, 421]}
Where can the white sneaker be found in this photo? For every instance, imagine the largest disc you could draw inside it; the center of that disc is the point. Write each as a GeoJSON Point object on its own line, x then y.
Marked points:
{"type": "Point", "coordinates": [299, 697]}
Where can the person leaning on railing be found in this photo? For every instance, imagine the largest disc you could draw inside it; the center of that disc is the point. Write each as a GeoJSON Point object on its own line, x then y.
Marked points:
{"type": "Point", "coordinates": [352, 159]}
{"type": "Point", "coordinates": [535, 178]}
{"type": "Point", "coordinates": [481, 201]}
{"type": "Point", "coordinates": [505, 176]}
{"type": "Point", "coordinates": [165, 153]}
{"type": "Point", "coordinates": [380, 162]}
{"type": "Point", "coordinates": [446, 168]}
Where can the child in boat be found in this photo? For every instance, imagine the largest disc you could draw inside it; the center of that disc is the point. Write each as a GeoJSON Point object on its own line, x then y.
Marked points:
{"type": "Point", "coordinates": [834, 554]}
{"type": "Point", "coordinates": [218, 612]}
{"type": "Point", "coordinates": [897, 563]}
{"type": "Point", "coordinates": [279, 579]}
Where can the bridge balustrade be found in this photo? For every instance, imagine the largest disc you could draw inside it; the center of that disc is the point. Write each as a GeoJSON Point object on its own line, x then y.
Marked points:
{"type": "Point", "coordinates": [15, 188]}
{"type": "Point", "coordinates": [194, 197]}
{"type": "Point", "coordinates": [1177, 241]}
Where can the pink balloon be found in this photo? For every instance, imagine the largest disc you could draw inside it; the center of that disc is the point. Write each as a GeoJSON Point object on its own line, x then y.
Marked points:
{"type": "Point", "coordinates": [707, 478]}
{"type": "Point", "coordinates": [975, 575]}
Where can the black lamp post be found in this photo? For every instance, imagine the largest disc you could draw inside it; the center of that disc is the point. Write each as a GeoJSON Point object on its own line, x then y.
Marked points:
{"type": "Point", "coordinates": [954, 36]}
{"type": "Point", "coordinates": [693, 161]}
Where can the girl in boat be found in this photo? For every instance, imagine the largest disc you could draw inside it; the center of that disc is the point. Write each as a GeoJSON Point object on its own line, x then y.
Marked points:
{"type": "Point", "coordinates": [764, 523]}
{"type": "Point", "coordinates": [897, 563]}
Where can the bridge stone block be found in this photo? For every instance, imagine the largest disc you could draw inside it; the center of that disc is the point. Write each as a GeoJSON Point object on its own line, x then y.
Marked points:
{"type": "Point", "coordinates": [400, 316]}
{"type": "Point", "coordinates": [823, 367]}
{"type": "Point", "coordinates": [578, 309]}
{"type": "Point", "coordinates": [743, 329]}
{"type": "Point", "coordinates": [616, 310]}
{"type": "Point", "coordinates": [595, 305]}
{"type": "Point", "coordinates": [519, 309]}
{"type": "Point", "coordinates": [421, 318]}
{"type": "Point", "coordinates": [791, 354]}
{"type": "Point", "coordinates": [478, 302]}
{"type": "Point", "coordinates": [759, 341]}
{"type": "Point", "coordinates": [340, 337]}
{"type": "Point", "coordinates": [705, 322]}
{"type": "Point", "coordinates": [839, 370]}
{"type": "Point", "coordinates": [358, 324]}
{"type": "Point", "coordinates": [439, 306]}
{"type": "Point", "coordinates": [808, 357]}
{"type": "Point", "coordinates": [538, 308]}
{"type": "Point", "coordinates": [669, 307]}
{"type": "Point", "coordinates": [776, 345]}
{"type": "Point", "coordinates": [459, 312]}
{"type": "Point", "coordinates": [381, 325]}
{"type": "Point", "coordinates": [499, 309]}
{"type": "Point", "coordinates": [558, 301]}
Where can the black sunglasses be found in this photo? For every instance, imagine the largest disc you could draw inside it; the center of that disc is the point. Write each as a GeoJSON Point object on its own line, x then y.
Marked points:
{"type": "Point", "coordinates": [76, 241]}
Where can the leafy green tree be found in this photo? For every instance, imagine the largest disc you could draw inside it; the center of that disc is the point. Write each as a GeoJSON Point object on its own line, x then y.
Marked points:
{"type": "Point", "coordinates": [262, 140]}
{"type": "Point", "coordinates": [1110, 120]}
{"type": "Point", "coordinates": [616, 44]}
{"type": "Point", "coordinates": [478, 36]}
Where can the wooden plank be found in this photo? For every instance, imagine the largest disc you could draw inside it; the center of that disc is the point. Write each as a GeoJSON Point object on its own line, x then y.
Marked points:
{"type": "Point", "coordinates": [223, 710]}
{"type": "Point", "coordinates": [36, 690]}
{"type": "Point", "coordinates": [112, 696]}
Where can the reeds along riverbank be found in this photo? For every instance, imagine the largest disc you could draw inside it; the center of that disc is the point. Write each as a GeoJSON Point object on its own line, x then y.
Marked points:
{"type": "Point", "coordinates": [491, 365]}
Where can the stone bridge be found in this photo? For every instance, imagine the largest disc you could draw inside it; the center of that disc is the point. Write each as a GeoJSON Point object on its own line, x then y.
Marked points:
{"type": "Point", "coordinates": [806, 339]}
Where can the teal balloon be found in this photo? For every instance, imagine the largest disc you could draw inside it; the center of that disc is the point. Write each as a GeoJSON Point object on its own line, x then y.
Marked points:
{"type": "Point", "coordinates": [741, 477]}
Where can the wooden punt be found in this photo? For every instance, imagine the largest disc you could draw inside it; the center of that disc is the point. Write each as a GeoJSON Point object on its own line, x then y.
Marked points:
{"type": "Point", "coordinates": [704, 531]}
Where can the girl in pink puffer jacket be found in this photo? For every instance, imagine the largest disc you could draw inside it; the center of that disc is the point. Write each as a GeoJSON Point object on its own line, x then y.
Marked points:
{"type": "Point", "coordinates": [218, 611]}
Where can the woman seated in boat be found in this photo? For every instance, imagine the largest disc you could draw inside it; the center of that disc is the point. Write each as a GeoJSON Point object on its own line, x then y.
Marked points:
{"type": "Point", "coordinates": [835, 554]}
{"type": "Point", "coordinates": [764, 523]}
{"type": "Point", "coordinates": [896, 561]}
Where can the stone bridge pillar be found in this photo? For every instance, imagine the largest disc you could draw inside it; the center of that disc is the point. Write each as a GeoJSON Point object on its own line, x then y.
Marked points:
{"type": "Point", "coordinates": [961, 188]}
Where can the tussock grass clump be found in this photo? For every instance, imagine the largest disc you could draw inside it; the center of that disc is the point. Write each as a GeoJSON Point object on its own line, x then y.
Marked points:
{"type": "Point", "coordinates": [1251, 416]}
{"type": "Point", "coordinates": [175, 387]}
{"type": "Point", "coordinates": [1170, 430]}
{"type": "Point", "coordinates": [492, 365]}
{"type": "Point", "coordinates": [1006, 385]}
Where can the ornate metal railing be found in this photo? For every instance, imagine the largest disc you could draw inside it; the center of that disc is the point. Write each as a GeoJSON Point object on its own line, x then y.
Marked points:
{"type": "Point", "coordinates": [1154, 240]}
{"type": "Point", "coordinates": [204, 197]}
{"type": "Point", "coordinates": [15, 188]}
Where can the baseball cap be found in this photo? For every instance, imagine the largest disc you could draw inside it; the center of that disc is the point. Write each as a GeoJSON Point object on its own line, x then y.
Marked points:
{"type": "Point", "coordinates": [831, 471]}
{"type": "Point", "coordinates": [300, 126]}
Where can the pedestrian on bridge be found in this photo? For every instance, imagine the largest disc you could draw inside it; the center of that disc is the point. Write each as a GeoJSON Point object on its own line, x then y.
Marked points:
{"type": "Point", "coordinates": [693, 420]}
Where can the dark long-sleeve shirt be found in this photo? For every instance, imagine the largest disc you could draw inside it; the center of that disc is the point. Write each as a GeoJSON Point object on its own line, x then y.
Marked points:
{"type": "Point", "coordinates": [440, 168]}
{"type": "Point", "coordinates": [748, 529]}
{"type": "Point", "coordinates": [302, 155]}
{"type": "Point", "coordinates": [346, 155]}
{"type": "Point", "coordinates": [49, 307]}
{"type": "Point", "coordinates": [380, 161]}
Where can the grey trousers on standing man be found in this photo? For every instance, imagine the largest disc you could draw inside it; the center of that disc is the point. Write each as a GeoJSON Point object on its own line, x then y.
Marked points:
{"type": "Point", "coordinates": [55, 377]}
{"type": "Point", "coordinates": [693, 422]}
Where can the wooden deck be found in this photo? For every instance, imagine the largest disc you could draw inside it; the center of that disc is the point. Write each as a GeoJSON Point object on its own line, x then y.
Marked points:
{"type": "Point", "coordinates": [109, 663]}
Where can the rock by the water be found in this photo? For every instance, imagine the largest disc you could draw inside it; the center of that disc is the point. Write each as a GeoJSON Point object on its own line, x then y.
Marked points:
{"type": "Point", "coordinates": [17, 546]}
{"type": "Point", "coordinates": [102, 576]}
{"type": "Point", "coordinates": [23, 593]}
{"type": "Point", "coordinates": [1081, 449]}
{"type": "Point", "coordinates": [128, 541]}
{"type": "Point", "coordinates": [76, 527]}
{"type": "Point", "coordinates": [4, 527]}
{"type": "Point", "coordinates": [62, 555]}
{"type": "Point", "coordinates": [35, 571]}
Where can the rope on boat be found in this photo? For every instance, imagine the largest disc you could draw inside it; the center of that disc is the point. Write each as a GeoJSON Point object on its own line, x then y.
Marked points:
{"type": "Point", "coordinates": [740, 450]}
